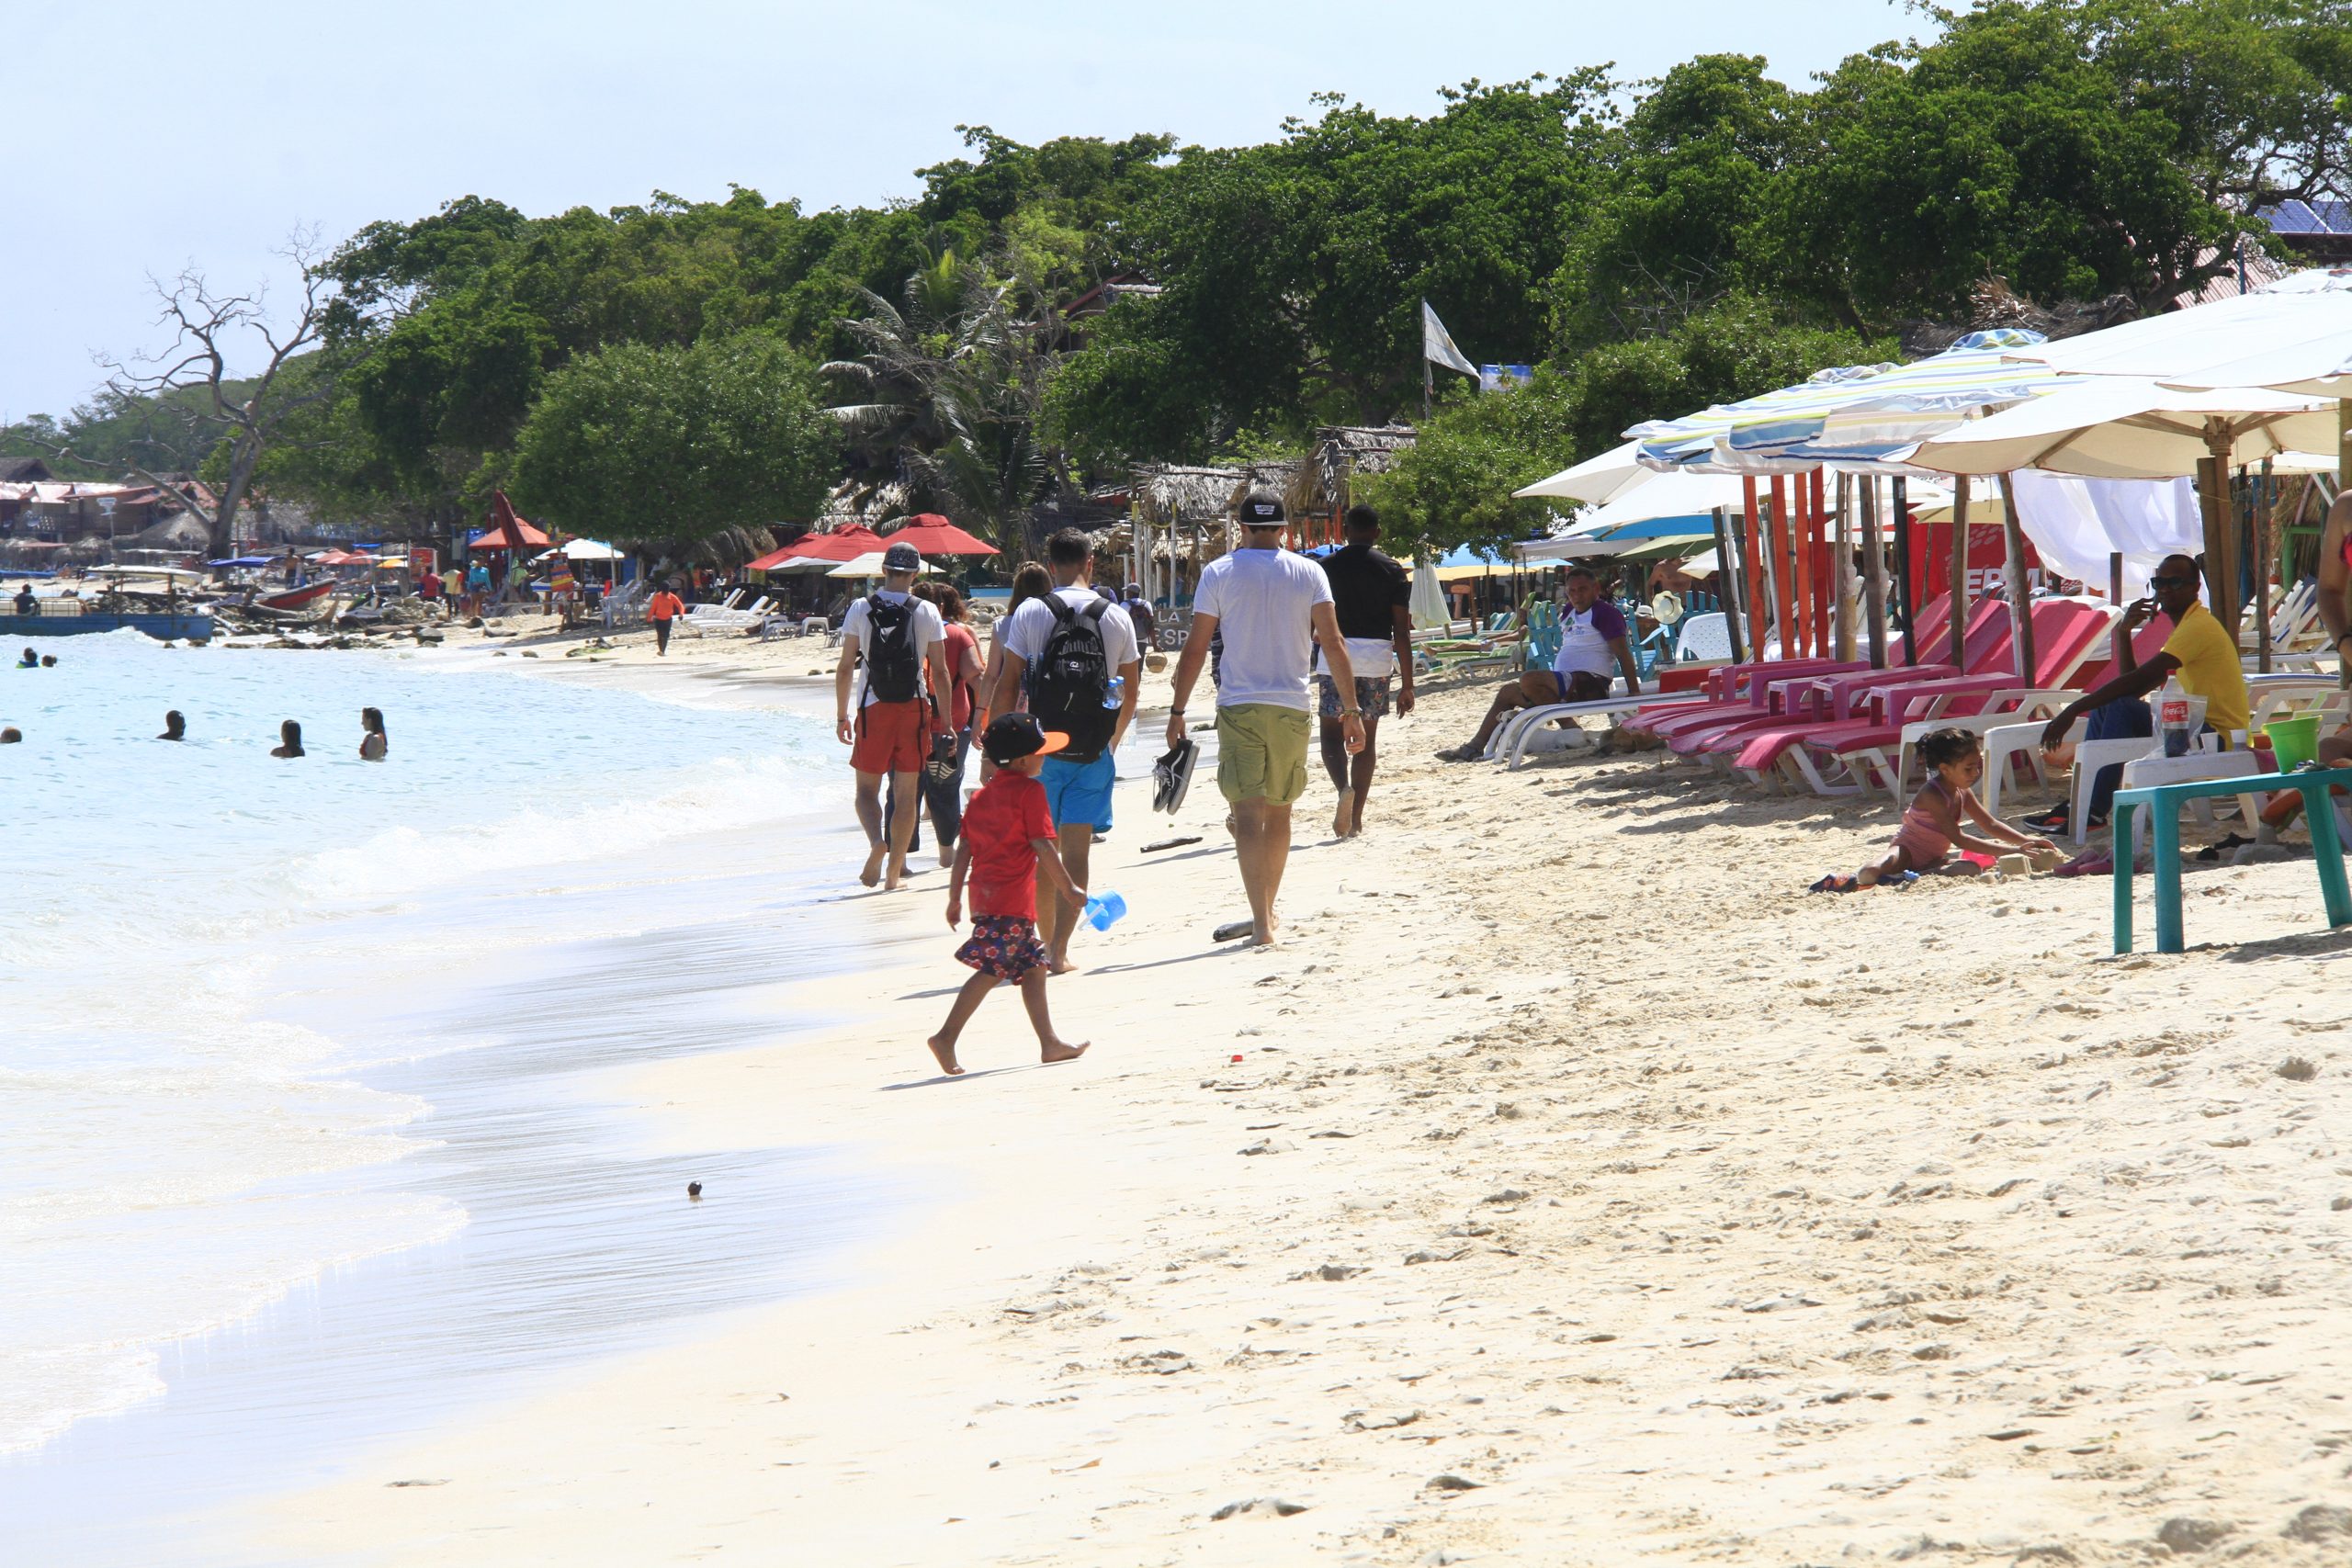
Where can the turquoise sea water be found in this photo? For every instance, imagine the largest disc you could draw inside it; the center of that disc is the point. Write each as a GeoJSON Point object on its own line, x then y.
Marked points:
{"type": "Point", "coordinates": [288, 1043]}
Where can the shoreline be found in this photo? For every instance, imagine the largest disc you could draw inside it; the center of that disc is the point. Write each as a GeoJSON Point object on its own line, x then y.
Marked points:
{"type": "Point", "coordinates": [1557, 1210]}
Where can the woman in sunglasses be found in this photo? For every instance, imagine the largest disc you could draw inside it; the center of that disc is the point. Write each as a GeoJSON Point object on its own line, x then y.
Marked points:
{"type": "Point", "coordinates": [2200, 651]}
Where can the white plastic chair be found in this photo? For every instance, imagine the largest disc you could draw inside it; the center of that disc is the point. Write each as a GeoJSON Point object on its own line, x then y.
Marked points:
{"type": "Point", "coordinates": [1706, 636]}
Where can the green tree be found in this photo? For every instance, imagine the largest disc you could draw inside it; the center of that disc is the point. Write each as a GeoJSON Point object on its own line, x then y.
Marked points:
{"type": "Point", "coordinates": [638, 443]}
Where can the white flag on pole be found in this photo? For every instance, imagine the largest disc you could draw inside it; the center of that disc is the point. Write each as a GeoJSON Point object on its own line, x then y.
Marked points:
{"type": "Point", "coordinates": [1437, 344]}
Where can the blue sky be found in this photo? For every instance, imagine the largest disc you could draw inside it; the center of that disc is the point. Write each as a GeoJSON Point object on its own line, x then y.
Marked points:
{"type": "Point", "coordinates": [143, 137]}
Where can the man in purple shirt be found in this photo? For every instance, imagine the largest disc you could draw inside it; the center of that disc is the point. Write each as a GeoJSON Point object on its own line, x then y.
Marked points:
{"type": "Point", "coordinates": [1593, 638]}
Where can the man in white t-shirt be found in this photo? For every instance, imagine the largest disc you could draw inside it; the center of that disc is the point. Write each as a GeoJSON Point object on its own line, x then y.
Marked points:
{"type": "Point", "coordinates": [1273, 608]}
{"type": "Point", "coordinates": [1079, 779]}
{"type": "Point", "coordinates": [1593, 640]}
{"type": "Point", "coordinates": [898, 639]}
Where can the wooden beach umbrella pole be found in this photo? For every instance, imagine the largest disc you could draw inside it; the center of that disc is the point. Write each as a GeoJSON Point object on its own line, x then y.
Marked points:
{"type": "Point", "coordinates": [1727, 574]}
{"type": "Point", "coordinates": [1904, 607]}
{"type": "Point", "coordinates": [1960, 571]}
{"type": "Point", "coordinates": [1752, 557]}
{"type": "Point", "coordinates": [1827, 606]}
{"type": "Point", "coordinates": [1873, 573]}
{"type": "Point", "coordinates": [1842, 581]}
{"type": "Point", "coordinates": [2021, 594]}
{"type": "Point", "coordinates": [2263, 533]}
{"type": "Point", "coordinates": [1799, 528]}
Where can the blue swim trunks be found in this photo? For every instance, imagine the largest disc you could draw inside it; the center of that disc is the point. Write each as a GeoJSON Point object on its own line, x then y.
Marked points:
{"type": "Point", "coordinates": [1079, 792]}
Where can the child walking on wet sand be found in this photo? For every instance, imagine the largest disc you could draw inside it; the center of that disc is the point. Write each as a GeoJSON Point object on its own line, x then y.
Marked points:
{"type": "Point", "coordinates": [1932, 827]}
{"type": "Point", "coordinates": [1008, 838]}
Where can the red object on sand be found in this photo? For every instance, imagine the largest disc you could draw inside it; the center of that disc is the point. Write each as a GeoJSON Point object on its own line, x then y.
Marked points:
{"type": "Point", "coordinates": [507, 531]}
{"type": "Point", "coordinates": [843, 544]}
{"type": "Point", "coordinates": [935, 536]}
{"type": "Point", "coordinates": [1237, 1058]}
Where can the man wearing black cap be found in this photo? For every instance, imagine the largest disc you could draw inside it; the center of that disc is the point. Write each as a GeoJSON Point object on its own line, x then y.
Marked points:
{"type": "Point", "coordinates": [898, 639]}
{"type": "Point", "coordinates": [1272, 608]}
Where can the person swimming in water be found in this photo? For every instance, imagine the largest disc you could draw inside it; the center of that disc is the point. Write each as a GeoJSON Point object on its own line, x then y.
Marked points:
{"type": "Point", "coordinates": [31, 660]}
{"type": "Point", "coordinates": [175, 727]}
{"type": "Point", "coordinates": [11, 735]}
{"type": "Point", "coordinates": [373, 743]}
{"type": "Point", "coordinates": [290, 737]}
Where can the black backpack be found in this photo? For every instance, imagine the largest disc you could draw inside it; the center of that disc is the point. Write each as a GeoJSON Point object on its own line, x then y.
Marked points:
{"type": "Point", "coordinates": [893, 674]}
{"type": "Point", "coordinates": [1071, 677]}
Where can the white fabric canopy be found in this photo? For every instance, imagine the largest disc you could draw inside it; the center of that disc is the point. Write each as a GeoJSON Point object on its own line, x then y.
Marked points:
{"type": "Point", "coordinates": [2128, 427]}
{"type": "Point", "coordinates": [1594, 480]}
{"type": "Point", "coordinates": [1429, 602]}
{"type": "Point", "coordinates": [2294, 335]}
{"type": "Point", "coordinates": [1572, 547]}
{"type": "Point", "coordinates": [867, 565]}
{"type": "Point", "coordinates": [1675, 494]}
{"type": "Point", "coordinates": [2076, 524]}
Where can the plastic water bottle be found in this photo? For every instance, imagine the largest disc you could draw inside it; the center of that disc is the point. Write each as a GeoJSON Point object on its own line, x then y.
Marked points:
{"type": "Point", "coordinates": [2172, 718]}
{"type": "Point", "coordinates": [1104, 909]}
{"type": "Point", "coordinates": [1110, 690]}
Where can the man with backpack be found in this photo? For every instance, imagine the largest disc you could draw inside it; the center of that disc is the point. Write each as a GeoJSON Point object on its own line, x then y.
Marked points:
{"type": "Point", "coordinates": [1068, 647]}
{"type": "Point", "coordinates": [898, 639]}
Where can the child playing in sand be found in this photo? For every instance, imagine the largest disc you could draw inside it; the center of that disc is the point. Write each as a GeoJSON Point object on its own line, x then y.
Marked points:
{"type": "Point", "coordinates": [1008, 838]}
{"type": "Point", "coordinates": [1931, 827]}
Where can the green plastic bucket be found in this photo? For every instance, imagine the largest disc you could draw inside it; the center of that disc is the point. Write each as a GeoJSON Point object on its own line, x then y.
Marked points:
{"type": "Point", "coordinates": [2293, 741]}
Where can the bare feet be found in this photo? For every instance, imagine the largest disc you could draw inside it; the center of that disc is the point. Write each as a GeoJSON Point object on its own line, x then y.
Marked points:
{"type": "Point", "coordinates": [1343, 819]}
{"type": "Point", "coordinates": [947, 1054]}
{"type": "Point", "coordinates": [1063, 1051]}
{"type": "Point", "coordinates": [896, 874]}
{"type": "Point", "coordinates": [872, 871]}
{"type": "Point", "coordinates": [1058, 965]}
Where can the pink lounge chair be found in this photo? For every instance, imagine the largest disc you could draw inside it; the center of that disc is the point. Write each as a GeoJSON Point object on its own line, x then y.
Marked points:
{"type": "Point", "coordinates": [2067, 632]}
{"type": "Point", "coordinates": [1806, 702]}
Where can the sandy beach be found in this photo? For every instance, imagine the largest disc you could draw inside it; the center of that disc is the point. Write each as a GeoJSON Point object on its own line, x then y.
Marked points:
{"type": "Point", "coordinates": [1570, 1188]}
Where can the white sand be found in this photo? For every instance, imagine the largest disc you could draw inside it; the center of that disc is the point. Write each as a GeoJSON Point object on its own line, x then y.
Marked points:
{"type": "Point", "coordinates": [1573, 1152]}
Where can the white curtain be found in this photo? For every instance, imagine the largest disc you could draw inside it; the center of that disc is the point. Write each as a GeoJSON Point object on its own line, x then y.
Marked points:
{"type": "Point", "coordinates": [2076, 524]}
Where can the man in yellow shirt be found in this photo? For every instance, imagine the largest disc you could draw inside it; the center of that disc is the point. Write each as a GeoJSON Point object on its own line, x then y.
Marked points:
{"type": "Point", "coordinates": [2201, 650]}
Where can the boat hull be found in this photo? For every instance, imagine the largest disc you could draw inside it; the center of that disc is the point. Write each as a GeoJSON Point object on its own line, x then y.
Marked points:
{"type": "Point", "coordinates": [163, 626]}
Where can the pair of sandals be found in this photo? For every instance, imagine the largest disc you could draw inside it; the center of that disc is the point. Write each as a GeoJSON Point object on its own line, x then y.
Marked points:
{"type": "Point", "coordinates": [2056, 819]}
{"type": "Point", "coordinates": [1849, 882]}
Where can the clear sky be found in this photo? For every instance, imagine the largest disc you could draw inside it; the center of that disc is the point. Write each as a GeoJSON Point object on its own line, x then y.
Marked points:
{"type": "Point", "coordinates": [144, 136]}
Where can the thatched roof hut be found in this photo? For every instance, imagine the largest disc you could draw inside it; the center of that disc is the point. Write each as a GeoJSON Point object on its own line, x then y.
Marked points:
{"type": "Point", "coordinates": [1342, 453]}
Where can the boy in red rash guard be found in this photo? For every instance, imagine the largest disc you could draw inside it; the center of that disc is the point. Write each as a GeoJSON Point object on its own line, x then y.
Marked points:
{"type": "Point", "coordinates": [1007, 839]}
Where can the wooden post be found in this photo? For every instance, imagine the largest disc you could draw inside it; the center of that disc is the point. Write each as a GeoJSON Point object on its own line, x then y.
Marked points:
{"type": "Point", "coordinates": [1841, 585]}
{"type": "Point", "coordinates": [1776, 568]}
{"type": "Point", "coordinates": [2118, 637]}
{"type": "Point", "coordinates": [1873, 573]}
{"type": "Point", "coordinates": [1754, 605]}
{"type": "Point", "coordinates": [2263, 533]}
{"type": "Point", "coordinates": [1826, 606]}
{"type": "Point", "coordinates": [1771, 541]}
{"type": "Point", "coordinates": [1727, 574]}
{"type": "Point", "coordinates": [1790, 495]}
{"type": "Point", "coordinates": [1960, 571]}
{"type": "Point", "coordinates": [2020, 591]}
{"type": "Point", "coordinates": [1903, 553]}
{"type": "Point", "coordinates": [2221, 526]}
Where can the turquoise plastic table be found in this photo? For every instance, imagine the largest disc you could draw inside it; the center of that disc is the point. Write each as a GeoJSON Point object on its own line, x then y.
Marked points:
{"type": "Point", "coordinates": [2164, 802]}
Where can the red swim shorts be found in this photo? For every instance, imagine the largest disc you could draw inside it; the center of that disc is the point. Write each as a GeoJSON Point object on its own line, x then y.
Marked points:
{"type": "Point", "coordinates": [892, 737]}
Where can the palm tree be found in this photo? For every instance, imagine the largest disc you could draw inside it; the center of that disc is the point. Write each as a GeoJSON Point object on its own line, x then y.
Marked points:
{"type": "Point", "coordinates": [951, 392]}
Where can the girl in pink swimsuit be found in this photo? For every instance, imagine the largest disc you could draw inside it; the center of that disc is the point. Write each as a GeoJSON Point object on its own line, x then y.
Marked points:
{"type": "Point", "coordinates": [1932, 827]}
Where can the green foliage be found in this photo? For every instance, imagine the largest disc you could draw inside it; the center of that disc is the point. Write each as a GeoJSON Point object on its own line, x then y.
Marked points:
{"type": "Point", "coordinates": [637, 442]}
{"type": "Point", "coordinates": [1453, 486]}
{"type": "Point", "coordinates": [114, 432]}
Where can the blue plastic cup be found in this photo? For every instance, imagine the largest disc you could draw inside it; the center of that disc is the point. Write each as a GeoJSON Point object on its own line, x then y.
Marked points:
{"type": "Point", "coordinates": [1104, 909]}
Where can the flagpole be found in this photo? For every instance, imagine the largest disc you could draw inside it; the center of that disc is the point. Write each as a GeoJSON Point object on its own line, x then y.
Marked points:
{"type": "Point", "coordinates": [1425, 389]}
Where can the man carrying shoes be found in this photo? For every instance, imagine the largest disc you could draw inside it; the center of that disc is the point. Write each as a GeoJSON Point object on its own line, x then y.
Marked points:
{"type": "Point", "coordinates": [898, 639]}
{"type": "Point", "coordinates": [1066, 648]}
{"type": "Point", "coordinates": [1271, 609]}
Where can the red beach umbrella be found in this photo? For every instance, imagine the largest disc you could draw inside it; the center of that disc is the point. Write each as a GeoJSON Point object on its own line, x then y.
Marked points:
{"type": "Point", "coordinates": [935, 536]}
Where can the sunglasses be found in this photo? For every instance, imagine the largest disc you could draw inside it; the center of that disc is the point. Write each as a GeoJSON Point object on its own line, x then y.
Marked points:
{"type": "Point", "coordinates": [2170, 582]}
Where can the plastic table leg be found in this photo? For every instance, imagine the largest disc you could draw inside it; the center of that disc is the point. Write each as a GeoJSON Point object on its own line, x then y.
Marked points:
{"type": "Point", "coordinates": [2328, 850]}
{"type": "Point", "coordinates": [2122, 820]}
{"type": "Point", "coordinates": [2167, 877]}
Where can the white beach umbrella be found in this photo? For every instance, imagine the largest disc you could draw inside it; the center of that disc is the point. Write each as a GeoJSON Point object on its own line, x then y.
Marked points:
{"type": "Point", "coordinates": [1676, 493]}
{"type": "Point", "coordinates": [2293, 335]}
{"type": "Point", "coordinates": [1428, 600]}
{"type": "Point", "coordinates": [2129, 428]}
{"type": "Point", "coordinates": [1595, 479]}
{"type": "Point", "coordinates": [868, 565]}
